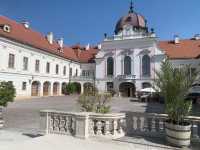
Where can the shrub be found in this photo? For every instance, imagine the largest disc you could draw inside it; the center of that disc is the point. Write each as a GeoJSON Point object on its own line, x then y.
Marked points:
{"type": "Point", "coordinates": [70, 88]}
{"type": "Point", "coordinates": [174, 85]}
{"type": "Point", "coordinates": [91, 102]}
{"type": "Point", "coordinates": [7, 93]}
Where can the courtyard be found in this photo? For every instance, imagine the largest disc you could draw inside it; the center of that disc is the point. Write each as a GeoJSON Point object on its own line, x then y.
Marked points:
{"type": "Point", "coordinates": [22, 120]}
{"type": "Point", "coordinates": [23, 115]}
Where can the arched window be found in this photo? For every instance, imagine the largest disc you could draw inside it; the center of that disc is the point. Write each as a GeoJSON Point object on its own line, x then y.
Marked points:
{"type": "Point", "coordinates": [127, 65]}
{"type": "Point", "coordinates": [146, 68]}
{"type": "Point", "coordinates": [110, 64]}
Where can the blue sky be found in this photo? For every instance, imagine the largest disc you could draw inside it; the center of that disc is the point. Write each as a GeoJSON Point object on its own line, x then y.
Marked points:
{"type": "Point", "coordinates": [86, 21]}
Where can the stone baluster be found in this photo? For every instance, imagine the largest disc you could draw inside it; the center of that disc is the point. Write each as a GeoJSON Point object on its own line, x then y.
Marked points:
{"type": "Point", "coordinates": [107, 127]}
{"type": "Point", "coordinates": [99, 127]}
{"type": "Point", "coordinates": [121, 122]}
{"type": "Point", "coordinates": [134, 123]}
{"type": "Point", "coordinates": [129, 124]}
{"type": "Point", "coordinates": [63, 124]}
{"type": "Point", "coordinates": [72, 125]}
{"type": "Point", "coordinates": [91, 127]}
{"type": "Point", "coordinates": [153, 125]}
{"type": "Point", "coordinates": [157, 125]}
{"type": "Point", "coordinates": [149, 124]}
{"type": "Point", "coordinates": [138, 123]}
{"type": "Point", "coordinates": [198, 129]}
{"type": "Point", "coordinates": [115, 124]}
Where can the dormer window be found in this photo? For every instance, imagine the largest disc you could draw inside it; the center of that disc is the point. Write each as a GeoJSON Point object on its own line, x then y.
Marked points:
{"type": "Point", "coordinates": [6, 28]}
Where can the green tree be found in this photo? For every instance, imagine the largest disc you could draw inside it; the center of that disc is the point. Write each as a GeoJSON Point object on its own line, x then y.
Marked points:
{"type": "Point", "coordinates": [71, 88]}
{"type": "Point", "coordinates": [7, 93]}
{"type": "Point", "coordinates": [174, 85]}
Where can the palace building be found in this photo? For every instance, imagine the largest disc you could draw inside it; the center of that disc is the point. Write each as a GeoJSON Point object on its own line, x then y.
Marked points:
{"type": "Point", "coordinates": [125, 62]}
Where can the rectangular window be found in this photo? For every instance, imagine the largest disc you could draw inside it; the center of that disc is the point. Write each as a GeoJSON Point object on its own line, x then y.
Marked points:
{"type": "Point", "coordinates": [83, 72]}
{"type": "Point", "coordinates": [64, 70]}
{"type": "Point", "coordinates": [48, 67]}
{"type": "Point", "coordinates": [110, 86]}
{"type": "Point", "coordinates": [76, 72]}
{"type": "Point", "coordinates": [57, 69]}
{"type": "Point", "coordinates": [23, 86]}
{"type": "Point", "coordinates": [11, 61]}
{"type": "Point", "coordinates": [25, 63]}
{"type": "Point", "coordinates": [70, 71]}
{"type": "Point", "coordinates": [37, 65]}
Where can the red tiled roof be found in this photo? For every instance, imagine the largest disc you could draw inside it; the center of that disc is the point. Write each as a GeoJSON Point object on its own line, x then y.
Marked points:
{"type": "Point", "coordinates": [88, 55]}
{"type": "Point", "coordinates": [186, 49]}
{"type": "Point", "coordinates": [35, 39]}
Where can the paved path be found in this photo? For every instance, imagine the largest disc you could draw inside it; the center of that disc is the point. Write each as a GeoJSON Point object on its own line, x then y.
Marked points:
{"type": "Point", "coordinates": [59, 142]}
{"type": "Point", "coordinates": [22, 119]}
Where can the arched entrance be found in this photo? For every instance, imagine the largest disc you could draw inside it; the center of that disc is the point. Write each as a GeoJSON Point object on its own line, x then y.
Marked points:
{"type": "Point", "coordinates": [88, 87]}
{"type": "Point", "coordinates": [64, 85]}
{"type": "Point", "coordinates": [127, 89]}
{"type": "Point", "coordinates": [56, 88]}
{"type": "Point", "coordinates": [78, 87]}
{"type": "Point", "coordinates": [46, 88]}
{"type": "Point", "coordinates": [35, 88]}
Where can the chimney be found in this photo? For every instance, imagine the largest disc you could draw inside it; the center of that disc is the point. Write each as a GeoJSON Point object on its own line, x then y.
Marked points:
{"type": "Point", "coordinates": [87, 47]}
{"type": "Point", "coordinates": [26, 24]}
{"type": "Point", "coordinates": [50, 37]}
{"type": "Point", "coordinates": [176, 39]}
{"type": "Point", "coordinates": [197, 36]}
{"type": "Point", "coordinates": [99, 46]}
{"type": "Point", "coordinates": [61, 42]}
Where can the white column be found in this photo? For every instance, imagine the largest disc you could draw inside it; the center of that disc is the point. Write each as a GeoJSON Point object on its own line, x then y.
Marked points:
{"type": "Point", "coordinates": [41, 89]}
{"type": "Point", "coordinates": [51, 89]}
{"type": "Point", "coordinates": [60, 89]}
{"type": "Point", "coordinates": [82, 88]}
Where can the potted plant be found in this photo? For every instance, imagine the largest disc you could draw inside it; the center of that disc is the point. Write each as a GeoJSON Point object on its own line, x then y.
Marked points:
{"type": "Point", "coordinates": [173, 84]}
{"type": "Point", "coordinates": [7, 94]}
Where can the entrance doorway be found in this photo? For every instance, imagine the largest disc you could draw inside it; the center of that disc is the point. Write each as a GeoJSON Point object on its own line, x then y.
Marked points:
{"type": "Point", "coordinates": [46, 88]}
{"type": "Point", "coordinates": [56, 88]}
{"type": "Point", "coordinates": [127, 89]}
{"type": "Point", "coordinates": [35, 88]}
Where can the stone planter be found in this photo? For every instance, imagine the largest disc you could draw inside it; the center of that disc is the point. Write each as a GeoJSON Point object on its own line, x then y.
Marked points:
{"type": "Point", "coordinates": [178, 135]}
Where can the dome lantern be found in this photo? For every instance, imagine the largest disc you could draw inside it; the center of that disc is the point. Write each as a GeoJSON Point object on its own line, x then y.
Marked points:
{"type": "Point", "coordinates": [133, 19]}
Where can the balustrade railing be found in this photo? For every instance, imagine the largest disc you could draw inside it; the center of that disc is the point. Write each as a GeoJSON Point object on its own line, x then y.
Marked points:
{"type": "Point", "coordinates": [126, 77]}
{"type": "Point", "coordinates": [82, 78]}
{"type": "Point", "coordinates": [116, 125]}
{"type": "Point", "coordinates": [151, 124]}
{"type": "Point", "coordinates": [82, 125]}
{"type": "Point", "coordinates": [108, 125]}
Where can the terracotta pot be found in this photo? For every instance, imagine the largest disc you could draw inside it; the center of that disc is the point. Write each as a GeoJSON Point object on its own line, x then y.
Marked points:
{"type": "Point", "coordinates": [178, 135]}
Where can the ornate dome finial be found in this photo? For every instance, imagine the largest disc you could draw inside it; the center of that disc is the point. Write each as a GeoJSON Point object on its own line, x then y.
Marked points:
{"type": "Point", "coordinates": [131, 7]}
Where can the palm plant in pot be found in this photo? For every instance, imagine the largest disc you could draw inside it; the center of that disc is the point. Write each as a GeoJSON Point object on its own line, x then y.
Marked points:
{"type": "Point", "coordinates": [174, 85]}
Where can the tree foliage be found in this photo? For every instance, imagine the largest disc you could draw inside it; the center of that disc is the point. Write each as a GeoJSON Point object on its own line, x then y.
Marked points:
{"type": "Point", "coordinates": [7, 93]}
{"type": "Point", "coordinates": [70, 88]}
{"type": "Point", "coordinates": [174, 85]}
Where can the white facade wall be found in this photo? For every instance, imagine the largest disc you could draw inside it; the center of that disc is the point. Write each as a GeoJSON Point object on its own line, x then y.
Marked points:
{"type": "Point", "coordinates": [17, 75]}
{"type": "Point", "coordinates": [134, 48]}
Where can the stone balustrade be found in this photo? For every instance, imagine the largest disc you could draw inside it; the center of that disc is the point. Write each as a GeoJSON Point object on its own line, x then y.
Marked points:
{"type": "Point", "coordinates": [82, 125]}
{"type": "Point", "coordinates": [152, 125]}
{"type": "Point", "coordinates": [107, 125]}
{"type": "Point", "coordinates": [116, 125]}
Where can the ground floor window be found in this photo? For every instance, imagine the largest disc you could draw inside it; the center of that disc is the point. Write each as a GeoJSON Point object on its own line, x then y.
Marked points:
{"type": "Point", "coordinates": [23, 86]}
{"type": "Point", "coordinates": [110, 86]}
